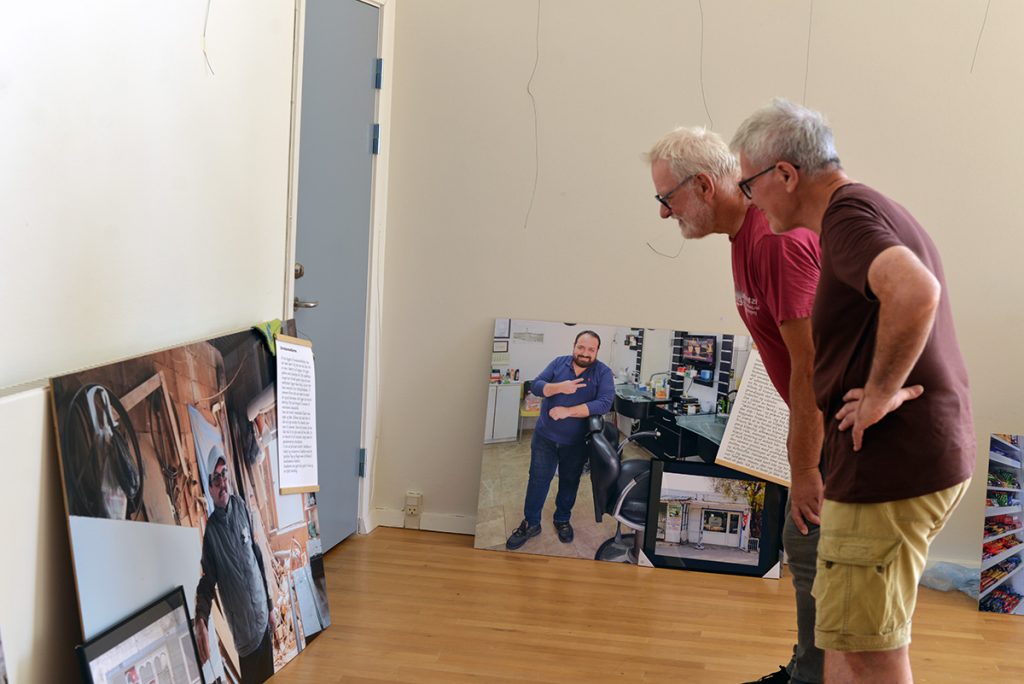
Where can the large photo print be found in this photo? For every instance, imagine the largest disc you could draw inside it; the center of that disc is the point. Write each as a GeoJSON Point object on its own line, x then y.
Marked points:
{"type": "Point", "coordinates": [169, 465]}
{"type": "Point", "coordinates": [575, 414]}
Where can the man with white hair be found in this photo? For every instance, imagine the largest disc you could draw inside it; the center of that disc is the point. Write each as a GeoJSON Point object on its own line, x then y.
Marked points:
{"type": "Point", "coordinates": [775, 276]}
{"type": "Point", "coordinates": [888, 376]}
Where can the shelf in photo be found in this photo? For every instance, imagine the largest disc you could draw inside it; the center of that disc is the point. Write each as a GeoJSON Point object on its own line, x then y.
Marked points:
{"type": "Point", "coordinates": [996, 457]}
{"type": "Point", "coordinates": [1003, 489]}
{"type": "Point", "coordinates": [1003, 534]}
{"type": "Point", "coordinates": [1000, 581]}
{"type": "Point", "coordinates": [1004, 444]}
{"type": "Point", "coordinates": [1000, 557]}
{"type": "Point", "coordinates": [1001, 510]}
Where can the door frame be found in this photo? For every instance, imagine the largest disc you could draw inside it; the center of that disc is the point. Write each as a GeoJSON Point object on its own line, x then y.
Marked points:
{"type": "Point", "coordinates": [370, 419]}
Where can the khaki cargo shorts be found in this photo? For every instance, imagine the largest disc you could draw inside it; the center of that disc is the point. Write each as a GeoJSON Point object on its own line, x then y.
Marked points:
{"type": "Point", "coordinates": [870, 559]}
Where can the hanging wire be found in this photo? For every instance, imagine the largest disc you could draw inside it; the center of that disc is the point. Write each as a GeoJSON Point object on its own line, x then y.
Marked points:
{"type": "Point", "coordinates": [807, 58]}
{"type": "Point", "coordinates": [700, 59]}
{"type": "Point", "coordinates": [536, 135]}
{"type": "Point", "coordinates": [980, 33]}
{"type": "Point", "coordinates": [668, 256]}
{"type": "Point", "coordinates": [206, 22]}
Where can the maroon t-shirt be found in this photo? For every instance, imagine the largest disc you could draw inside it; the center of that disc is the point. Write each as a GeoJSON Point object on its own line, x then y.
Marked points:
{"type": "Point", "coordinates": [774, 278]}
{"type": "Point", "coordinates": [928, 443]}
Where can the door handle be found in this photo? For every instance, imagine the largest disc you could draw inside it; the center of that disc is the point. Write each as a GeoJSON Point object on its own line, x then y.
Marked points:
{"type": "Point", "coordinates": [301, 304]}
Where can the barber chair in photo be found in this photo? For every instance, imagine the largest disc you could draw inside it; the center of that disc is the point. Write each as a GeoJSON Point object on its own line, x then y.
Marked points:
{"type": "Point", "coordinates": [621, 489]}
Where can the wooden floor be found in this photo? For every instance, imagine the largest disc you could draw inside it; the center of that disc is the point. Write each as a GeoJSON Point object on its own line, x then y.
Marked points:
{"type": "Point", "coordinates": [411, 606]}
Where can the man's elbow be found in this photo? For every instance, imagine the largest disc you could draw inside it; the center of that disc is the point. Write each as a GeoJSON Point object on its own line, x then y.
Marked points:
{"type": "Point", "coordinates": [916, 297]}
{"type": "Point", "coordinates": [926, 295]}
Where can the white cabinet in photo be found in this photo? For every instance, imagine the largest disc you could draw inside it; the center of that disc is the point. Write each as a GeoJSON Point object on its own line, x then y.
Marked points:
{"type": "Point", "coordinates": [502, 423]}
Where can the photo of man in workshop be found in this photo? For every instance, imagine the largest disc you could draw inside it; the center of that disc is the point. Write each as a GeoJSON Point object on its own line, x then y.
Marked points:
{"type": "Point", "coordinates": [188, 437]}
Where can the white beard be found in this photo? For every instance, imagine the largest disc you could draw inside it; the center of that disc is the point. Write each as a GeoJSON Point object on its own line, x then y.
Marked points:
{"type": "Point", "coordinates": [698, 223]}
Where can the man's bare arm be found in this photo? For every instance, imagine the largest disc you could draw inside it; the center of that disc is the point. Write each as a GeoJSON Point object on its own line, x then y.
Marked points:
{"type": "Point", "coordinates": [908, 296]}
{"type": "Point", "coordinates": [805, 425]}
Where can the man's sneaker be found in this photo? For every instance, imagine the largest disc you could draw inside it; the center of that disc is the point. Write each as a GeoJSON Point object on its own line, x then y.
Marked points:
{"type": "Point", "coordinates": [780, 677]}
{"type": "Point", "coordinates": [521, 534]}
{"type": "Point", "coordinates": [564, 532]}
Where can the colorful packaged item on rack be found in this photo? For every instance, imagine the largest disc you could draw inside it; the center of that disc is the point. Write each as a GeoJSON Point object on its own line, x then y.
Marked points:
{"type": "Point", "coordinates": [1000, 601]}
{"type": "Point", "coordinates": [998, 546]}
{"type": "Point", "coordinates": [1000, 571]}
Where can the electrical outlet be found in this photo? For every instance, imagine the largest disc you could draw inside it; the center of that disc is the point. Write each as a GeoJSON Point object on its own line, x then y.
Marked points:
{"type": "Point", "coordinates": [413, 507]}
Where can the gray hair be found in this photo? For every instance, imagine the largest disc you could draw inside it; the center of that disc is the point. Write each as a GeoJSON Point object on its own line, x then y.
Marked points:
{"type": "Point", "coordinates": [786, 131]}
{"type": "Point", "coordinates": [689, 151]}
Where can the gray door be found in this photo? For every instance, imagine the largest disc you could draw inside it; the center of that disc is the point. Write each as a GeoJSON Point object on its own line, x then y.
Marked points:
{"type": "Point", "coordinates": [333, 238]}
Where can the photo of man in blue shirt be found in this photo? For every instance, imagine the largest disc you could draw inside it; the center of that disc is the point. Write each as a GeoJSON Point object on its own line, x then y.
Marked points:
{"type": "Point", "coordinates": [573, 387]}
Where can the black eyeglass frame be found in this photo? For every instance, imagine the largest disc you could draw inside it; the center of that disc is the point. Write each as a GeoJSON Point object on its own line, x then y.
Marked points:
{"type": "Point", "coordinates": [745, 183]}
{"type": "Point", "coordinates": [668, 195]}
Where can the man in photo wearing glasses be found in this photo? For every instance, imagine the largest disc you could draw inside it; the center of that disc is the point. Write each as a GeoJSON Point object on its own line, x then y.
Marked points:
{"type": "Point", "coordinates": [697, 178]}
{"type": "Point", "coordinates": [899, 442]}
{"type": "Point", "coordinates": [232, 562]}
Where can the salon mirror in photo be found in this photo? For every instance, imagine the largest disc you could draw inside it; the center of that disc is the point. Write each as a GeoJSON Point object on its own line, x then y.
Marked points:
{"type": "Point", "coordinates": [575, 414]}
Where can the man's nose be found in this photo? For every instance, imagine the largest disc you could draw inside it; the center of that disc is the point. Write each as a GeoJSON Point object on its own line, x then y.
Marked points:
{"type": "Point", "coordinates": [665, 213]}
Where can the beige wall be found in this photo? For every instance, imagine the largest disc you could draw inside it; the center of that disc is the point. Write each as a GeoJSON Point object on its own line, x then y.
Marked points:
{"type": "Point", "coordinates": [909, 117]}
{"type": "Point", "coordinates": [144, 198]}
{"type": "Point", "coordinates": [38, 610]}
{"type": "Point", "coordinates": [144, 204]}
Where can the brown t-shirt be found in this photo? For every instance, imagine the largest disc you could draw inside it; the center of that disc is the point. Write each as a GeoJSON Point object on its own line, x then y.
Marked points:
{"type": "Point", "coordinates": [928, 443]}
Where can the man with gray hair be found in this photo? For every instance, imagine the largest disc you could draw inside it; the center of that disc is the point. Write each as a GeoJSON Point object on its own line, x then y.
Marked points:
{"type": "Point", "coordinates": [889, 379]}
{"type": "Point", "coordinates": [775, 276]}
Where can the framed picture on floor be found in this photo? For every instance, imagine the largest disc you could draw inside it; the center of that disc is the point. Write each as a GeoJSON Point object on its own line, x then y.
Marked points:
{"type": "Point", "coordinates": [713, 519]}
{"type": "Point", "coordinates": [156, 643]}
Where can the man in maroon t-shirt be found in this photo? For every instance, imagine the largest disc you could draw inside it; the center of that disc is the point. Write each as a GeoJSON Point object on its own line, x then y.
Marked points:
{"type": "Point", "coordinates": [775, 276]}
{"type": "Point", "coordinates": [899, 437]}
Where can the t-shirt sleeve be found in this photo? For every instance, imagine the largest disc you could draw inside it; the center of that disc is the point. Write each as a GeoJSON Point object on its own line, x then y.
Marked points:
{"type": "Point", "coordinates": [790, 266]}
{"type": "Point", "coordinates": [854, 234]}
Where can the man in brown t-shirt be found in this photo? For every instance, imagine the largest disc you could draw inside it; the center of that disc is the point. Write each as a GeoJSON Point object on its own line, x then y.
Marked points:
{"type": "Point", "coordinates": [889, 378]}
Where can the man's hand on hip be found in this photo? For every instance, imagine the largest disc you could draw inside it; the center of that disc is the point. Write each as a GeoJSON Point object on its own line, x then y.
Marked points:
{"type": "Point", "coordinates": [863, 409]}
{"type": "Point", "coordinates": [805, 494]}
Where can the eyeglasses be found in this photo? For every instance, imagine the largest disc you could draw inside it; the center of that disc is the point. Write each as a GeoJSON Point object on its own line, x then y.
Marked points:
{"type": "Point", "coordinates": [217, 477]}
{"type": "Point", "coordinates": [668, 195]}
{"type": "Point", "coordinates": [745, 183]}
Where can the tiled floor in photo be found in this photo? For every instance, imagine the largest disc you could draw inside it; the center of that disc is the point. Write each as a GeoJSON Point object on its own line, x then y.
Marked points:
{"type": "Point", "coordinates": [504, 472]}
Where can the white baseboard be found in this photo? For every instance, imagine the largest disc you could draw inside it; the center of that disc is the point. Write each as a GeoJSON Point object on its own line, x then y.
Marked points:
{"type": "Point", "coordinates": [434, 522]}
{"type": "Point", "coordinates": [388, 517]}
{"type": "Point", "coordinates": [368, 524]}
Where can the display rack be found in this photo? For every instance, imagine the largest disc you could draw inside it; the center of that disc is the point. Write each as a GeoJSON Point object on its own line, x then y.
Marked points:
{"type": "Point", "coordinates": [1002, 571]}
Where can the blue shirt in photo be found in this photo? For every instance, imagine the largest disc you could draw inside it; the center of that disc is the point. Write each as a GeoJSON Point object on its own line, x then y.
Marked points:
{"type": "Point", "coordinates": [598, 395]}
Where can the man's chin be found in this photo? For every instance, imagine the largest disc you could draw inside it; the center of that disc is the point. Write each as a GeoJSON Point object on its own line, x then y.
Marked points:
{"type": "Point", "coordinates": [693, 232]}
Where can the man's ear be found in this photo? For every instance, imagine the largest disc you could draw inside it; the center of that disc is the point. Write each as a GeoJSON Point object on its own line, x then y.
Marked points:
{"type": "Point", "coordinates": [705, 185]}
{"type": "Point", "coordinates": [789, 174]}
